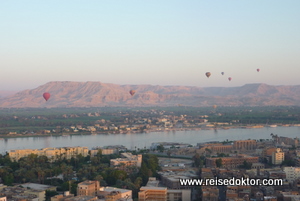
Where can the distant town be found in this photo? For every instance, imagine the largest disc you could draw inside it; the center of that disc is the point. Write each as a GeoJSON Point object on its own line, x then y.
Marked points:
{"type": "Point", "coordinates": [16, 124]}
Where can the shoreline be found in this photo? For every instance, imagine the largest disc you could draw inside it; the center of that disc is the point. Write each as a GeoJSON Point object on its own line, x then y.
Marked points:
{"type": "Point", "coordinates": [143, 131]}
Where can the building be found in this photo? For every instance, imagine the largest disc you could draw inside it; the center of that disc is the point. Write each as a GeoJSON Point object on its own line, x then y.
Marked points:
{"type": "Point", "coordinates": [245, 145]}
{"type": "Point", "coordinates": [90, 188]}
{"type": "Point", "coordinates": [82, 198]}
{"type": "Point", "coordinates": [270, 198]}
{"type": "Point", "coordinates": [232, 162]}
{"type": "Point", "coordinates": [179, 194]}
{"type": "Point", "coordinates": [3, 198]}
{"type": "Point", "coordinates": [50, 153]}
{"type": "Point", "coordinates": [287, 141]}
{"type": "Point", "coordinates": [113, 194]}
{"type": "Point", "coordinates": [277, 157]}
{"type": "Point", "coordinates": [152, 194]}
{"type": "Point", "coordinates": [234, 192]}
{"type": "Point", "coordinates": [210, 193]}
{"type": "Point", "coordinates": [63, 197]}
{"type": "Point", "coordinates": [292, 173]}
{"type": "Point", "coordinates": [257, 165]}
{"type": "Point", "coordinates": [170, 179]}
{"type": "Point", "coordinates": [127, 160]}
{"type": "Point", "coordinates": [268, 151]}
{"type": "Point", "coordinates": [297, 161]}
{"type": "Point", "coordinates": [290, 196]}
{"type": "Point", "coordinates": [104, 151]}
{"type": "Point", "coordinates": [18, 193]}
{"type": "Point", "coordinates": [168, 145]}
{"type": "Point", "coordinates": [215, 148]}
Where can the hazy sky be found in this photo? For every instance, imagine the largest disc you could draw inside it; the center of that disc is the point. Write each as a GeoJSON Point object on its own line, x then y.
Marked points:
{"type": "Point", "coordinates": [158, 42]}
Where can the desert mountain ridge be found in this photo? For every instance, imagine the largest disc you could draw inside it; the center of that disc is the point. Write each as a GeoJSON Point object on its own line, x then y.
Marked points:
{"type": "Point", "coordinates": [97, 94]}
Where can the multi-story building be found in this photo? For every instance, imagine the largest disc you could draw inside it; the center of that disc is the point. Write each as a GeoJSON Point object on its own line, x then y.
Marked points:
{"type": "Point", "coordinates": [90, 188]}
{"type": "Point", "coordinates": [152, 194]}
{"type": "Point", "coordinates": [297, 162]}
{"type": "Point", "coordinates": [277, 157]}
{"type": "Point", "coordinates": [232, 162]}
{"type": "Point", "coordinates": [215, 148]}
{"type": "Point", "coordinates": [63, 197]}
{"type": "Point", "coordinates": [113, 194]}
{"type": "Point", "coordinates": [51, 153]}
{"type": "Point", "coordinates": [245, 145]}
{"type": "Point", "coordinates": [268, 151]}
{"type": "Point", "coordinates": [287, 141]}
{"type": "Point", "coordinates": [127, 160]}
{"type": "Point", "coordinates": [179, 194]}
{"type": "Point", "coordinates": [18, 193]}
{"type": "Point", "coordinates": [210, 193]}
{"type": "Point", "coordinates": [152, 191]}
{"type": "Point", "coordinates": [240, 191]}
{"type": "Point", "coordinates": [292, 173]}
{"type": "Point", "coordinates": [104, 151]}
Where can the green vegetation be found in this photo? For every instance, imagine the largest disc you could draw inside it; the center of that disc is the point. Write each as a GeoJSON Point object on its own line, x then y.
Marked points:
{"type": "Point", "coordinates": [38, 169]}
{"type": "Point", "coordinates": [28, 121]}
{"type": "Point", "coordinates": [219, 162]}
{"type": "Point", "coordinates": [246, 165]}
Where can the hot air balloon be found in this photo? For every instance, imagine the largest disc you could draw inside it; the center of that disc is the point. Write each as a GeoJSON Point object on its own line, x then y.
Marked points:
{"type": "Point", "coordinates": [222, 73]}
{"type": "Point", "coordinates": [229, 78]}
{"type": "Point", "coordinates": [214, 106]}
{"type": "Point", "coordinates": [132, 92]}
{"type": "Point", "coordinates": [208, 74]}
{"type": "Point", "coordinates": [46, 96]}
{"type": "Point", "coordinates": [258, 70]}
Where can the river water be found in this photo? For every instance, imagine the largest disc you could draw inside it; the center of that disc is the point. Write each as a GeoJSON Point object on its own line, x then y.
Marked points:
{"type": "Point", "coordinates": [141, 140]}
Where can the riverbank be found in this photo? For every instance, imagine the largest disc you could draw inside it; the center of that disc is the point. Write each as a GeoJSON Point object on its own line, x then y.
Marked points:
{"type": "Point", "coordinates": [212, 127]}
{"type": "Point", "coordinates": [142, 140]}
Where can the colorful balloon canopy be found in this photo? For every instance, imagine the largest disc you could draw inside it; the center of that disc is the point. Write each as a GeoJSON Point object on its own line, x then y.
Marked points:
{"type": "Point", "coordinates": [222, 73]}
{"type": "Point", "coordinates": [46, 96]}
{"type": "Point", "coordinates": [258, 70]}
{"type": "Point", "coordinates": [132, 92]}
{"type": "Point", "coordinates": [208, 74]}
{"type": "Point", "coordinates": [229, 78]}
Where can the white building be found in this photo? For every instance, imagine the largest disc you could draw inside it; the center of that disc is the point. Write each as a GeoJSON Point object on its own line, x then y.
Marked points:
{"type": "Point", "coordinates": [127, 160]}
{"type": "Point", "coordinates": [183, 194]}
{"type": "Point", "coordinates": [292, 173]}
{"type": "Point", "coordinates": [123, 193]}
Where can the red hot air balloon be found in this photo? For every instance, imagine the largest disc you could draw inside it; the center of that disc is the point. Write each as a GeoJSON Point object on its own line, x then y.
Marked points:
{"type": "Point", "coordinates": [229, 78]}
{"type": "Point", "coordinates": [46, 96]}
{"type": "Point", "coordinates": [258, 70]}
{"type": "Point", "coordinates": [132, 92]}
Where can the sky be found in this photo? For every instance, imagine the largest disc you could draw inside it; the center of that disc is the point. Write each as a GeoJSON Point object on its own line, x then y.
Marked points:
{"type": "Point", "coordinates": [169, 42]}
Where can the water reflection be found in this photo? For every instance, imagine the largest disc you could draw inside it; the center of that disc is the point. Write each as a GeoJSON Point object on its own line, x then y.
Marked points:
{"type": "Point", "coordinates": [141, 140]}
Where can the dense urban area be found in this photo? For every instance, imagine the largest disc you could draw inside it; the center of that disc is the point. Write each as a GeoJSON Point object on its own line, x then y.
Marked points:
{"type": "Point", "coordinates": [163, 172]}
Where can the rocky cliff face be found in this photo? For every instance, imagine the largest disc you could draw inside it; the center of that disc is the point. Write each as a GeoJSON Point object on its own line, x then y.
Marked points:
{"type": "Point", "coordinates": [97, 94]}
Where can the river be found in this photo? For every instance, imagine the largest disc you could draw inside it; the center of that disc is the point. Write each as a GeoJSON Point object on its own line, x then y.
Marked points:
{"type": "Point", "coordinates": [145, 139]}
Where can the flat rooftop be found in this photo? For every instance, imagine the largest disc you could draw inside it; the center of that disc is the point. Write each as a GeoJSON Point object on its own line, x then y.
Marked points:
{"type": "Point", "coordinates": [111, 189]}
{"type": "Point", "coordinates": [35, 186]}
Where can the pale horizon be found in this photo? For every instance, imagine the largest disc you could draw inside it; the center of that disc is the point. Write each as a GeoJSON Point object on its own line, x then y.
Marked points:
{"type": "Point", "coordinates": [167, 43]}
